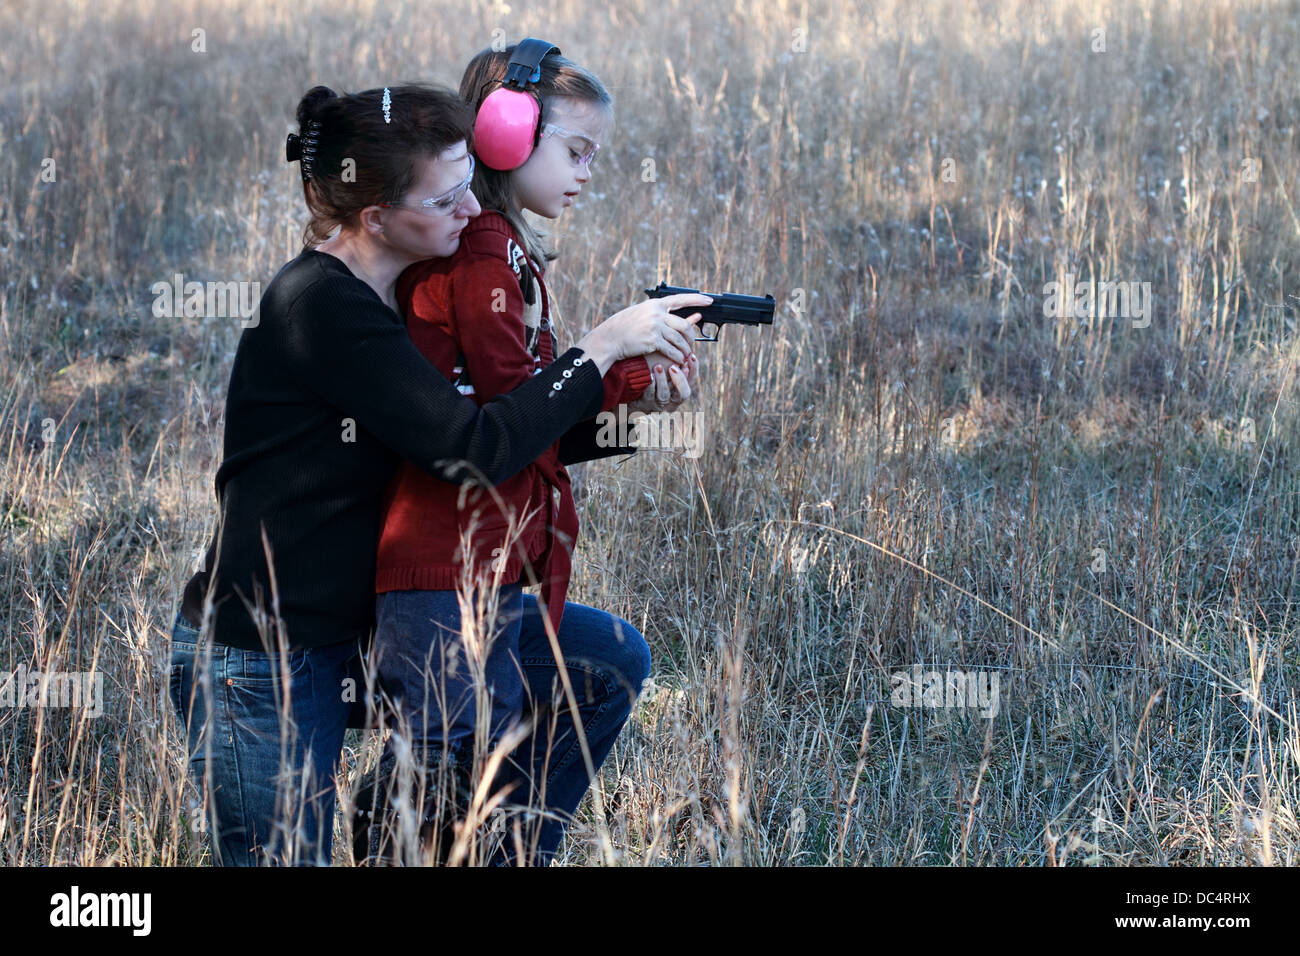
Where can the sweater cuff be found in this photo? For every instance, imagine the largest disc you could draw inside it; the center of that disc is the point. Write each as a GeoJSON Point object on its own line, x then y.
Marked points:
{"type": "Point", "coordinates": [575, 370]}
{"type": "Point", "coordinates": [626, 381]}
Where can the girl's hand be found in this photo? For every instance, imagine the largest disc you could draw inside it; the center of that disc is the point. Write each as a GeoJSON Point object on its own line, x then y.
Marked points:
{"type": "Point", "coordinates": [644, 328]}
{"type": "Point", "coordinates": [663, 395]}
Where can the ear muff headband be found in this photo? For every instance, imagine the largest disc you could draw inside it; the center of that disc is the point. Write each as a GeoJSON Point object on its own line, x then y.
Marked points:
{"type": "Point", "coordinates": [526, 62]}
{"type": "Point", "coordinates": [506, 127]}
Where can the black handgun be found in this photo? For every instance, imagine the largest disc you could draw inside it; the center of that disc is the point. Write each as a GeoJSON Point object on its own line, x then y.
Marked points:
{"type": "Point", "coordinates": [726, 307]}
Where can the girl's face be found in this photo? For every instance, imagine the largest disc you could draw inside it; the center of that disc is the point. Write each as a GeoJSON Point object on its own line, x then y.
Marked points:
{"type": "Point", "coordinates": [553, 176]}
{"type": "Point", "coordinates": [420, 230]}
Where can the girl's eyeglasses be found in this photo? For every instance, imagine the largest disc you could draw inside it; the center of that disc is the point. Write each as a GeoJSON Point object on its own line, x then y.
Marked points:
{"type": "Point", "coordinates": [442, 205]}
{"type": "Point", "coordinates": [585, 158]}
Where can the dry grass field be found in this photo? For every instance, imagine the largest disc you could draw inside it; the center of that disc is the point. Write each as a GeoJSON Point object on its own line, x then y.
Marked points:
{"type": "Point", "coordinates": [921, 464]}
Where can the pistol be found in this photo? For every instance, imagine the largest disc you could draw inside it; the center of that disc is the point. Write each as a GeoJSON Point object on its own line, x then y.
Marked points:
{"type": "Point", "coordinates": [726, 307]}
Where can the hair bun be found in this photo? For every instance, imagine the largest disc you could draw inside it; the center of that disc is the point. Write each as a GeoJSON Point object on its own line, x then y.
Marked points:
{"type": "Point", "coordinates": [309, 106]}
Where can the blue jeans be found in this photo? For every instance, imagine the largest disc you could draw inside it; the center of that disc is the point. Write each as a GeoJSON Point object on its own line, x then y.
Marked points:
{"type": "Point", "coordinates": [265, 760]}
{"type": "Point", "coordinates": [269, 781]}
{"type": "Point", "coordinates": [422, 664]}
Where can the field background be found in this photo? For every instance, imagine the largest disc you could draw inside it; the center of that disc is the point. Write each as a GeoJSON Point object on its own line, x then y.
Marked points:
{"type": "Point", "coordinates": [916, 467]}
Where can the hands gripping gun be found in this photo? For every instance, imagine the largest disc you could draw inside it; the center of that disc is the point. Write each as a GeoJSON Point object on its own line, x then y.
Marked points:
{"type": "Point", "coordinates": [726, 307]}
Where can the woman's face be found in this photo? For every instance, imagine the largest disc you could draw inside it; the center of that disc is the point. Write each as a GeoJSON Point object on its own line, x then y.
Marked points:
{"type": "Point", "coordinates": [552, 177]}
{"type": "Point", "coordinates": [428, 232]}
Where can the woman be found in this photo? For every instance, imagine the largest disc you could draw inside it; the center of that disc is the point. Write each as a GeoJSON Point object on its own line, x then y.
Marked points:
{"type": "Point", "coordinates": [327, 394]}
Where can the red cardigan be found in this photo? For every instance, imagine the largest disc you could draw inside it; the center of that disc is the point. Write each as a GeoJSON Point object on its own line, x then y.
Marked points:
{"type": "Point", "coordinates": [472, 305]}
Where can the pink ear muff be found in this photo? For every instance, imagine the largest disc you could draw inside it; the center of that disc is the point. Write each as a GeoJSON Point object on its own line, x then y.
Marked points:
{"type": "Point", "coordinates": [504, 128]}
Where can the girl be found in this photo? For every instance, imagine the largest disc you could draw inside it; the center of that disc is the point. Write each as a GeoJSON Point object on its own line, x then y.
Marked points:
{"type": "Point", "coordinates": [484, 317]}
{"type": "Point", "coordinates": [327, 393]}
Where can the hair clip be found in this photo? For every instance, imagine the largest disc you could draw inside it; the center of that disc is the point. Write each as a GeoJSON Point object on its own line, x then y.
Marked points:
{"type": "Point", "coordinates": [388, 105]}
{"type": "Point", "coordinates": [307, 149]}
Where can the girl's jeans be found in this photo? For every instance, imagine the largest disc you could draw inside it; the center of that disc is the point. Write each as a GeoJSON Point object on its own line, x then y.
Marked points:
{"type": "Point", "coordinates": [265, 735]}
{"type": "Point", "coordinates": [422, 659]}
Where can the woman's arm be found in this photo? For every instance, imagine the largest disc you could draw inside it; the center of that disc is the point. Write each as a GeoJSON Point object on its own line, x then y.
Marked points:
{"type": "Point", "coordinates": [578, 444]}
{"type": "Point", "coordinates": [342, 343]}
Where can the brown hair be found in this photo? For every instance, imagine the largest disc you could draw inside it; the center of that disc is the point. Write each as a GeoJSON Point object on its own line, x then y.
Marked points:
{"type": "Point", "coordinates": [425, 121]}
{"type": "Point", "coordinates": [561, 77]}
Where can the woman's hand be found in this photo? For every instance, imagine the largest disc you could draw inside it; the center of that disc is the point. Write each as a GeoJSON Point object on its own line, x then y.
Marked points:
{"type": "Point", "coordinates": [662, 395]}
{"type": "Point", "coordinates": [643, 328]}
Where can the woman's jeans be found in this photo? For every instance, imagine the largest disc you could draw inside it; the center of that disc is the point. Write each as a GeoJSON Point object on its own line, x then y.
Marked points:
{"type": "Point", "coordinates": [265, 732]}
{"type": "Point", "coordinates": [247, 719]}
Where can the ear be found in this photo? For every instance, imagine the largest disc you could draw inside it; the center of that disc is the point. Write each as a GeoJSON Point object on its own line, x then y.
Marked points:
{"type": "Point", "coordinates": [371, 220]}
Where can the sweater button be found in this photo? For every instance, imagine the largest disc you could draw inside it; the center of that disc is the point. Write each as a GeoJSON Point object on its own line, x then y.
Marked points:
{"type": "Point", "coordinates": [557, 386]}
{"type": "Point", "coordinates": [579, 361]}
{"type": "Point", "coordinates": [568, 373]}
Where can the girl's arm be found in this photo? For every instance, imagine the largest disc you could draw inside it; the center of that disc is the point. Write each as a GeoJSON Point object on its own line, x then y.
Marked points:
{"type": "Point", "coordinates": [626, 381]}
{"type": "Point", "coordinates": [487, 309]}
{"type": "Point", "coordinates": [580, 442]}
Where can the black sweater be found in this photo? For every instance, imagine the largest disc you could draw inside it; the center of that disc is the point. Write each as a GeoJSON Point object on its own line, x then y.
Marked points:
{"type": "Point", "coordinates": [326, 393]}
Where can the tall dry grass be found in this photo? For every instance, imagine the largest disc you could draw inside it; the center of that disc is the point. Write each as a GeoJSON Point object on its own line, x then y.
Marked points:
{"type": "Point", "coordinates": [916, 467]}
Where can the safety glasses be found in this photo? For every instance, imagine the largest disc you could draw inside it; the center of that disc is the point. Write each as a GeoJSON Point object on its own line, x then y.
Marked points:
{"type": "Point", "coordinates": [442, 205]}
{"type": "Point", "coordinates": [585, 158]}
